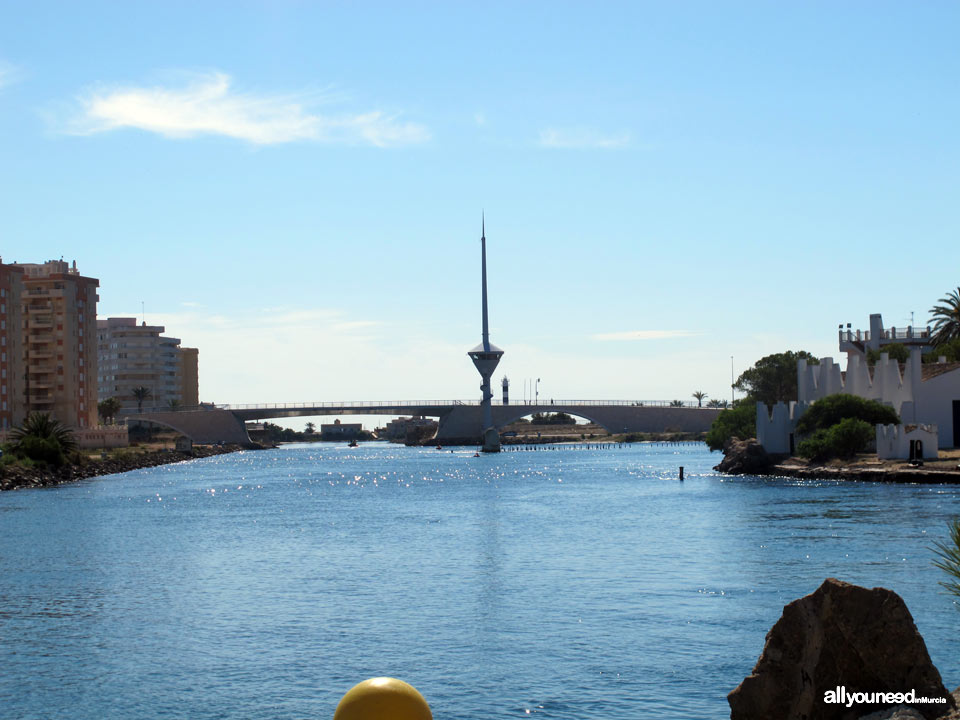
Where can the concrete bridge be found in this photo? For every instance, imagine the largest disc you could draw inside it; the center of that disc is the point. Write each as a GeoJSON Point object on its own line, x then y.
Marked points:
{"type": "Point", "coordinates": [459, 420]}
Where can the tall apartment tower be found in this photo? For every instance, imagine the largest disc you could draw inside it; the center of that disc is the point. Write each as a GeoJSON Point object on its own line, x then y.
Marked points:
{"type": "Point", "coordinates": [12, 369]}
{"type": "Point", "coordinates": [189, 377]}
{"type": "Point", "coordinates": [132, 356]}
{"type": "Point", "coordinates": [59, 307]}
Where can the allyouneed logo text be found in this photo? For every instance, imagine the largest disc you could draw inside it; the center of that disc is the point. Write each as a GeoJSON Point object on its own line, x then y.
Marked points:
{"type": "Point", "coordinates": [840, 696]}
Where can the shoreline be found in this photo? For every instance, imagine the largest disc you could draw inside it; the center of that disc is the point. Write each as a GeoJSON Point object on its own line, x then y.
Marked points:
{"type": "Point", "coordinates": [890, 474]}
{"type": "Point", "coordinates": [14, 477]}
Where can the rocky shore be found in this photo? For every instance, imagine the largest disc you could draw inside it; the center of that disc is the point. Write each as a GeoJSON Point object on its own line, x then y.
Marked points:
{"type": "Point", "coordinates": [14, 477]}
{"type": "Point", "coordinates": [747, 457]}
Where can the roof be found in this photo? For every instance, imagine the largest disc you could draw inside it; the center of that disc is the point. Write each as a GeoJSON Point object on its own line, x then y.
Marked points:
{"type": "Point", "coordinates": [932, 370]}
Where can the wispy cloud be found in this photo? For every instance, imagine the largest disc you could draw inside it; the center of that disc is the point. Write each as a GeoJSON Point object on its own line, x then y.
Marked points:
{"type": "Point", "coordinates": [8, 73]}
{"type": "Point", "coordinates": [644, 335]}
{"type": "Point", "coordinates": [209, 105]}
{"type": "Point", "coordinates": [582, 138]}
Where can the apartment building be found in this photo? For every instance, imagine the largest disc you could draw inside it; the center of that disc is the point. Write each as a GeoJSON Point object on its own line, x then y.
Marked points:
{"type": "Point", "coordinates": [58, 318]}
{"type": "Point", "coordinates": [131, 356]}
{"type": "Point", "coordinates": [189, 377]}
{"type": "Point", "coordinates": [12, 374]}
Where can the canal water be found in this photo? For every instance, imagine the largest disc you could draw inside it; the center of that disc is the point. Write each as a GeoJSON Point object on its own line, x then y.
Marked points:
{"type": "Point", "coordinates": [569, 583]}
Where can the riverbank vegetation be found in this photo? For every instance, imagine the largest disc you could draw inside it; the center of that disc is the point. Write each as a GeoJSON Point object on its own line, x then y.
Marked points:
{"type": "Point", "coordinates": [40, 440]}
{"type": "Point", "coordinates": [771, 380]}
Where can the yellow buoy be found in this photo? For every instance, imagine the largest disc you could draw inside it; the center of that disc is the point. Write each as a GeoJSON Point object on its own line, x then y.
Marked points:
{"type": "Point", "coordinates": [382, 698]}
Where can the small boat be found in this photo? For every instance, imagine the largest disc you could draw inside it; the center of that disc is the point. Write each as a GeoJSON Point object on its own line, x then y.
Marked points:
{"type": "Point", "coordinates": [353, 443]}
{"type": "Point", "coordinates": [439, 447]}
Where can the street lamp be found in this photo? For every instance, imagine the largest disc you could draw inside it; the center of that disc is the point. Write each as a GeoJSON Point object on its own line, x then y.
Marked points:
{"type": "Point", "coordinates": [731, 381]}
{"type": "Point", "coordinates": [536, 400]}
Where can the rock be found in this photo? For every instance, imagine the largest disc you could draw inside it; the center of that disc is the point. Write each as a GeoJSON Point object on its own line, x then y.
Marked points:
{"type": "Point", "coordinates": [845, 636]}
{"type": "Point", "coordinates": [744, 457]}
{"type": "Point", "coordinates": [900, 712]}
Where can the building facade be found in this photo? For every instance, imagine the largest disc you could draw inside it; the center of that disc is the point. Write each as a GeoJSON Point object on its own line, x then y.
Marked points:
{"type": "Point", "coordinates": [189, 376]}
{"type": "Point", "coordinates": [132, 356]}
{"type": "Point", "coordinates": [59, 311]}
{"type": "Point", "coordinates": [922, 394]}
{"type": "Point", "coordinates": [12, 371]}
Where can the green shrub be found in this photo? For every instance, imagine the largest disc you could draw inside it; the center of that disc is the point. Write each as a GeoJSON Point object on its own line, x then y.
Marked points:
{"type": "Point", "coordinates": [43, 450]}
{"type": "Point", "coordinates": [740, 421]}
{"type": "Point", "coordinates": [950, 350]}
{"type": "Point", "coordinates": [832, 409]}
{"type": "Point", "coordinates": [845, 439]}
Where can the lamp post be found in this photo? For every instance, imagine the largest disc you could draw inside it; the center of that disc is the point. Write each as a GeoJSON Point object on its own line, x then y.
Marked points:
{"type": "Point", "coordinates": [536, 400]}
{"type": "Point", "coordinates": [731, 381]}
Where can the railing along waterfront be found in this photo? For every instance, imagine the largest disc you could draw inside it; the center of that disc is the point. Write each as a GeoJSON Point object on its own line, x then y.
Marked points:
{"type": "Point", "coordinates": [375, 404]}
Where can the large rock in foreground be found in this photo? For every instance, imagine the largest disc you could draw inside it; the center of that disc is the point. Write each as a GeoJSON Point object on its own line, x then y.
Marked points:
{"type": "Point", "coordinates": [744, 457]}
{"type": "Point", "coordinates": [845, 636]}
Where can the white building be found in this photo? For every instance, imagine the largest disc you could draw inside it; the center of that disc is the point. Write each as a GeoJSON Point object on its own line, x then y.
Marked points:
{"type": "Point", "coordinates": [132, 356]}
{"type": "Point", "coordinates": [921, 393]}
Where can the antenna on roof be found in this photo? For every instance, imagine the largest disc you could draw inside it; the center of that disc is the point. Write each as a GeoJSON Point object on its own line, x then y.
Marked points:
{"type": "Point", "coordinates": [143, 312]}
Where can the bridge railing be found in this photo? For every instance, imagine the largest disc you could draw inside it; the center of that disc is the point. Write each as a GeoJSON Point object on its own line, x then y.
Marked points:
{"type": "Point", "coordinates": [544, 405]}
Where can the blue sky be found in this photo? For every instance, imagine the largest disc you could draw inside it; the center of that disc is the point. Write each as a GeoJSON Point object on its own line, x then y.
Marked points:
{"type": "Point", "coordinates": [295, 188]}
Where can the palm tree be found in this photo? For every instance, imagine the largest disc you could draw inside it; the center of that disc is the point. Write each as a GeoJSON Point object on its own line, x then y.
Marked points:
{"type": "Point", "coordinates": [173, 404]}
{"type": "Point", "coordinates": [949, 558]}
{"type": "Point", "coordinates": [946, 318]}
{"type": "Point", "coordinates": [310, 428]}
{"type": "Point", "coordinates": [43, 427]}
{"type": "Point", "coordinates": [714, 403]}
{"type": "Point", "coordinates": [699, 395]}
{"type": "Point", "coordinates": [141, 393]}
{"type": "Point", "coordinates": [676, 403]}
{"type": "Point", "coordinates": [108, 408]}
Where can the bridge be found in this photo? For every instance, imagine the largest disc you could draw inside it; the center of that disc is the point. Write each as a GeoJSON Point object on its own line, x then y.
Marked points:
{"type": "Point", "coordinates": [459, 420]}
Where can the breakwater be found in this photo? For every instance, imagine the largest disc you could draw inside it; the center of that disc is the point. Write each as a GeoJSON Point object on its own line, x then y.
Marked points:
{"type": "Point", "coordinates": [14, 477]}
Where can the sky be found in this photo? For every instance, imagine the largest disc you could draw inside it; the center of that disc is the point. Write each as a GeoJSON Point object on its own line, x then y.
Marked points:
{"type": "Point", "coordinates": [296, 188]}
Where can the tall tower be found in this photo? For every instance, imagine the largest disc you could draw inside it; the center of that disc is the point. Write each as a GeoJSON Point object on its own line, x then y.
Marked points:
{"type": "Point", "coordinates": [486, 356]}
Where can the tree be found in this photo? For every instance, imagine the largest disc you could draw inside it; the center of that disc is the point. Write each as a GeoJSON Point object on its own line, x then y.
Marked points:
{"type": "Point", "coordinates": [740, 421]}
{"type": "Point", "coordinates": [699, 395]}
{"type": "Point", "coordinates": [108, 408]}
{"type": "Point", "coordinates": [844, 439]}
{"type": "Point", "coordinates": [310, 428]}
{"type": "Point", "coordinates": [173, 404]}
{"type": "Point", "coordinates": [949, 558]}
{"type": "Point", "coordinates": [946, 318]}
{"type": "Point", "coordinates": [896, 351]}
{"type": "Point", "coordinates": [949, 350]}
{"type": "Point", "coordinates": [774, 377]}
{"type": "Point", "coordinates": [43, 439]}
{"type": "Point", "coordinates": [141, 393]}
{"type": "Point", "coordinates": [676, 403]}
{"type": "Point", "coordinates": [715, 403]}
{"type": "Point", "coordinates": [828, 411]}
{"type": "Point", "coordinates": [560, 418]}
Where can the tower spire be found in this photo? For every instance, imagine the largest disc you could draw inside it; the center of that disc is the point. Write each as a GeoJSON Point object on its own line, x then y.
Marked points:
{"type": "Point", "coordinates": [486, 356]}
{"type": "Point", "coordinates": [483, 272]}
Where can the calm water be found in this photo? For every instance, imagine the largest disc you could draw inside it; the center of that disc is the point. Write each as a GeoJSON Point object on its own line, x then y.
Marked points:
{"type": "Point", "coordinates": [565, 584]}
